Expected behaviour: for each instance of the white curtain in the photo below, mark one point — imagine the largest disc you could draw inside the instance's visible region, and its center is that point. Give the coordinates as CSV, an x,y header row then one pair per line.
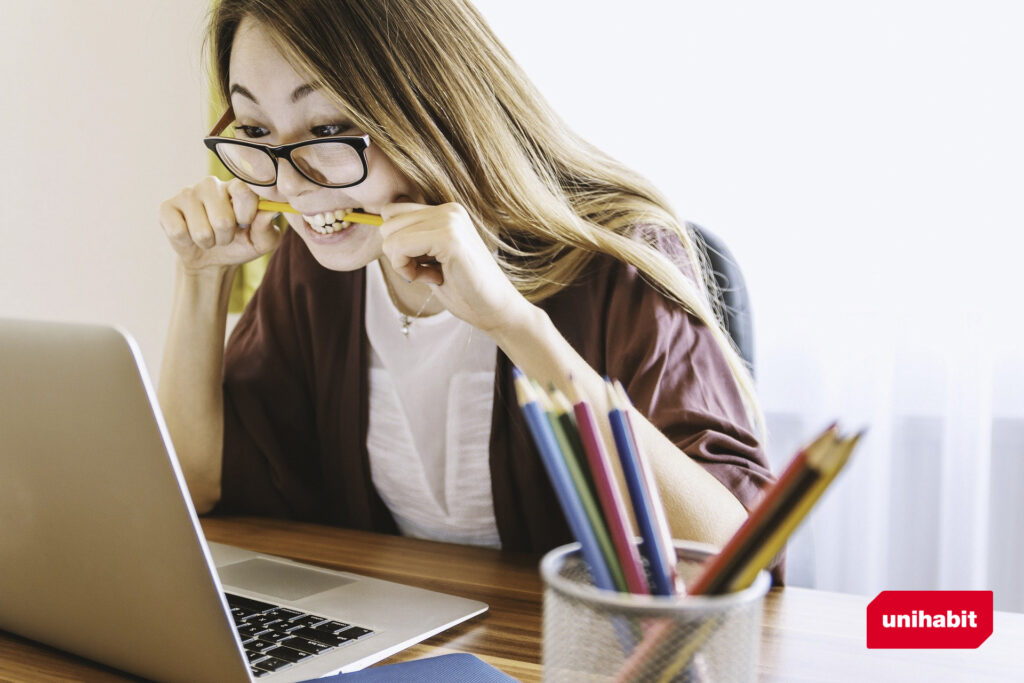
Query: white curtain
x,y
932,498
864,161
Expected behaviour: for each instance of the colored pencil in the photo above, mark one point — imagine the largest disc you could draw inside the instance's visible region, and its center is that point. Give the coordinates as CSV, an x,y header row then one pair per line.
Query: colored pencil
x,y
572,455
829,465
717,572
667,545
606,485
561,481
781,514
662,576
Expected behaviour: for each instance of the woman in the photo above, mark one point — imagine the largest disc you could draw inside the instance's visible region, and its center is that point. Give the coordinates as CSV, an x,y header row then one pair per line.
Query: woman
x,y
368,383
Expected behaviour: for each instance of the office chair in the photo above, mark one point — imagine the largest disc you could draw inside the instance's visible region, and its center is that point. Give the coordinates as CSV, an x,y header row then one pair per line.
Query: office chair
x,y
732,292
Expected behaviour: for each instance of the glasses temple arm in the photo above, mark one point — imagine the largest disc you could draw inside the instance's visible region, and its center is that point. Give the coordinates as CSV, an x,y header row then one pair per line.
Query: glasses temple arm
x,y
223,122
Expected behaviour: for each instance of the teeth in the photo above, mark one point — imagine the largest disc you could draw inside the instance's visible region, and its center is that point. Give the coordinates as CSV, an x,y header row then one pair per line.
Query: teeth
x,y
327,223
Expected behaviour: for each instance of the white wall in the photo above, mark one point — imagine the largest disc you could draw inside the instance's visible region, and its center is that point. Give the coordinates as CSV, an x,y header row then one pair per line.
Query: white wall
x,y
839,139
101,119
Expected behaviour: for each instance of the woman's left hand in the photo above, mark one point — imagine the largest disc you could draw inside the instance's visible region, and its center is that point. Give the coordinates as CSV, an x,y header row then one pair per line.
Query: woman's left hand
x,y
439,245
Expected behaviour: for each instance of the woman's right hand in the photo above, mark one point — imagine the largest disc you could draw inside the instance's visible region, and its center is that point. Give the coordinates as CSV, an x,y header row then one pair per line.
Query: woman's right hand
x,y
215,224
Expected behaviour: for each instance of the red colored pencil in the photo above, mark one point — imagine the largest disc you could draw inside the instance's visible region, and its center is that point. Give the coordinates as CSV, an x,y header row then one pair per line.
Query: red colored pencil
x,y
608,494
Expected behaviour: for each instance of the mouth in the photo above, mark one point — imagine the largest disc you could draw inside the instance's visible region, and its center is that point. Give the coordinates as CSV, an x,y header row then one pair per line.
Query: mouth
x,y
329,222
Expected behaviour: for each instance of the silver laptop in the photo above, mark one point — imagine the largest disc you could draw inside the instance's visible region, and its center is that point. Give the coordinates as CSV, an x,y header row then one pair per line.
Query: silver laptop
x,y
101,553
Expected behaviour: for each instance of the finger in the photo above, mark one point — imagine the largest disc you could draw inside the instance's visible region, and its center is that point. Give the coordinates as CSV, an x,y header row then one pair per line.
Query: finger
x,y
219,211
244,202
418,268
407,248
395,209
264,234
199,228
174,225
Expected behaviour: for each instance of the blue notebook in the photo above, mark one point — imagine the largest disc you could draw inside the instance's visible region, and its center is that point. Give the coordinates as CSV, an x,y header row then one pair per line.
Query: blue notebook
x,y
461,667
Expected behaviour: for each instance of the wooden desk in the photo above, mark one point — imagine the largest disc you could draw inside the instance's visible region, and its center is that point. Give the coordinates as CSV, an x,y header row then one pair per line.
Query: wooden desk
x,y
808,635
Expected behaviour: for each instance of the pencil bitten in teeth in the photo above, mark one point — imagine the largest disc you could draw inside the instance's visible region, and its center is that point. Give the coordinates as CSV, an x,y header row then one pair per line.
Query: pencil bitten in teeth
x,y
329,222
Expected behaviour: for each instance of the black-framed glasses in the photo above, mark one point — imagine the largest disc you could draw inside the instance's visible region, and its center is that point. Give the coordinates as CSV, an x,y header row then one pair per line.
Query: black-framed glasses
x,y
338,161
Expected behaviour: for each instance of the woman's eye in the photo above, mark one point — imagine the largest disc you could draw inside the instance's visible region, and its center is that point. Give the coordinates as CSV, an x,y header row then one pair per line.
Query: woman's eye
x,y
330,130
252,131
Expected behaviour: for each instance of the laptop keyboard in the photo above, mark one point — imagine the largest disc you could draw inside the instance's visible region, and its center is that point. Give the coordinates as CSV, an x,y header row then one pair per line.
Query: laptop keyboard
x,y
276,637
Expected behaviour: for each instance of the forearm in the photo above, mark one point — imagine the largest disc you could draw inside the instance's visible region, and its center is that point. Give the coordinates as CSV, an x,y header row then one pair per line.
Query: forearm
x,y
190,390
698,506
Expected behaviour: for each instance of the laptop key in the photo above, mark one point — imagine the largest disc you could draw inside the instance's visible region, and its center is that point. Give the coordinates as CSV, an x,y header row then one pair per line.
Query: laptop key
x,y
305,645
332,626
248,603
354,632
240,613
254,657
286,614
319,636
274,635
257,645
306,620
264,620
250,631
288,654
272,664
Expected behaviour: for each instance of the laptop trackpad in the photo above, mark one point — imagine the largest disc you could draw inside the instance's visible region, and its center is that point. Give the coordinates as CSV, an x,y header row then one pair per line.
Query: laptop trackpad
x,y
278,579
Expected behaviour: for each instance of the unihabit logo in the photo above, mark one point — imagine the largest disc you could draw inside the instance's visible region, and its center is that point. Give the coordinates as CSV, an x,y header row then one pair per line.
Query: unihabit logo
x,y
929,619
919,619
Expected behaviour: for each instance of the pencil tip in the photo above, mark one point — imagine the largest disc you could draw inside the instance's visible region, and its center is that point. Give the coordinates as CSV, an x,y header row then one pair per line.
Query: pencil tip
x,y
572,391
613,399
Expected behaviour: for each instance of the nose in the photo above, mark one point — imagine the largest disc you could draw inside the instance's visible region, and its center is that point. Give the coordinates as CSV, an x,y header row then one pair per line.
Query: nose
x,y
290,182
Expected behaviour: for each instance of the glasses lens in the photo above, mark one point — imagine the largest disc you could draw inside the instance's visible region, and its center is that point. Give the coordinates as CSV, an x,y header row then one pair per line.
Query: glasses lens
x,y
251,165
331,163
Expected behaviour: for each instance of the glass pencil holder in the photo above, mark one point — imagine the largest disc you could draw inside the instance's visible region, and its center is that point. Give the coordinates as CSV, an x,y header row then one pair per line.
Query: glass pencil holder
x,y
598,635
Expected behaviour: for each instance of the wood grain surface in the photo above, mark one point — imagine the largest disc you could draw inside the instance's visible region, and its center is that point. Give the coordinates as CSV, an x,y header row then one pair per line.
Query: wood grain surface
x,y
808,635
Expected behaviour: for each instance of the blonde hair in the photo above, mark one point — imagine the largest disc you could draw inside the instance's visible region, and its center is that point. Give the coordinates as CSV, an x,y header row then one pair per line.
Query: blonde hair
x,y
444,100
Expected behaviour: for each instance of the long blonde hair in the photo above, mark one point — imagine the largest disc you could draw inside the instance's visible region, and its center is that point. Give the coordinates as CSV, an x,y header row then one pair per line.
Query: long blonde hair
x,y
444,100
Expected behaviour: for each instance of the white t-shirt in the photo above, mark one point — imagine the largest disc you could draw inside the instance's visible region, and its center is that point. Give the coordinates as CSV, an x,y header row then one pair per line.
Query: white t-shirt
x,y
431,397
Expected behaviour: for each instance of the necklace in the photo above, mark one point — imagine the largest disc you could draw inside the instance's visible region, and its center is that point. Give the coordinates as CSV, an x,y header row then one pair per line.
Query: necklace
x,y
404,319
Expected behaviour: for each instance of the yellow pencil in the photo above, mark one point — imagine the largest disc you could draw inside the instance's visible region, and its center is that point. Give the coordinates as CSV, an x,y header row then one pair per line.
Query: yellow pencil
x,y
365,218
833,461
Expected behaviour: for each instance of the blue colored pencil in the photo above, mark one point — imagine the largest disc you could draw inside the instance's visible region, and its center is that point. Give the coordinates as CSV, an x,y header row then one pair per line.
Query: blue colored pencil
x,y
561,480
662,576
668,548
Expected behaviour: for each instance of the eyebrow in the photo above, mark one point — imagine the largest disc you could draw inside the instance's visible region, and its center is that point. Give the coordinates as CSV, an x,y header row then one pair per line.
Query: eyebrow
x,y
297,94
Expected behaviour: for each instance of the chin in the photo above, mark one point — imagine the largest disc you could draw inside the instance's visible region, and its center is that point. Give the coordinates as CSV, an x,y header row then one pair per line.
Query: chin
x,y
346,250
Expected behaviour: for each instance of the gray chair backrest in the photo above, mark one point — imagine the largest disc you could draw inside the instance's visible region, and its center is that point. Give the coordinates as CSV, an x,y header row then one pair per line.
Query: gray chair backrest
x,y
732,293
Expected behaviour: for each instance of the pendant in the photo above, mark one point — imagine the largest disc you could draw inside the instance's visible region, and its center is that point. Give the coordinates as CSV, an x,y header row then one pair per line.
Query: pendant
x,y
406,321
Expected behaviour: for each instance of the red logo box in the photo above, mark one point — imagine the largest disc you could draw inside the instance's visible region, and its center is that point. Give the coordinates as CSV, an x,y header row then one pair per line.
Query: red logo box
x,y
929,619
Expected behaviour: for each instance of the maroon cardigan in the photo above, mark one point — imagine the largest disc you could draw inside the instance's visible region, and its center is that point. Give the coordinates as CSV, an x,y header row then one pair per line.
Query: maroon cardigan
x,y
296,397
